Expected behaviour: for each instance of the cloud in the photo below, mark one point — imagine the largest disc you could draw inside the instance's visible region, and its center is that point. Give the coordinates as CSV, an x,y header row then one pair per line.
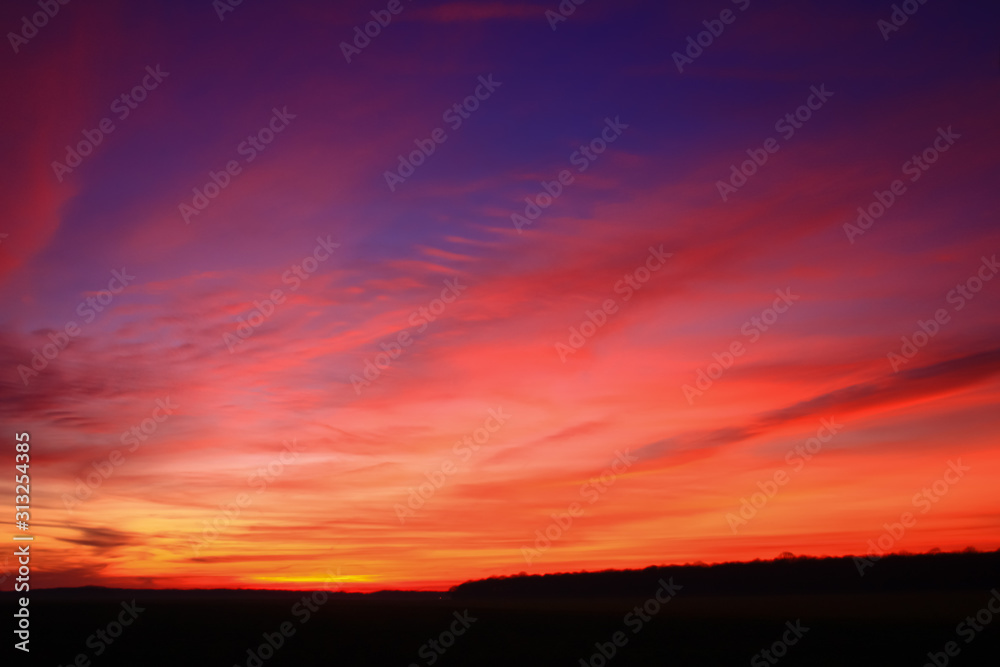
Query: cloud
x,y
877,395
102,538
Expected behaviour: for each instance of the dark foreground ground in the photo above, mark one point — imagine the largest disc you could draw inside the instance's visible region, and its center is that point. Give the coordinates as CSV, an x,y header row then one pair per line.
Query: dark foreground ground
x,y
696,627
896,629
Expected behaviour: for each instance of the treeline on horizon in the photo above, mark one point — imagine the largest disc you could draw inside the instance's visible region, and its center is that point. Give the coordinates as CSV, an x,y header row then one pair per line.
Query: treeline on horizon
x,y
788,574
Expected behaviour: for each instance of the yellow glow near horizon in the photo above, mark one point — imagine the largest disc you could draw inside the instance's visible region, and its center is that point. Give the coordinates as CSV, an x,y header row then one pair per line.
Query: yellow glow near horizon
x,y
340,578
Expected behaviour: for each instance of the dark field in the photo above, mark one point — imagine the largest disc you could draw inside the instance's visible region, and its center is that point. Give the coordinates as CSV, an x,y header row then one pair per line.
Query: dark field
x,y
892,629
513,621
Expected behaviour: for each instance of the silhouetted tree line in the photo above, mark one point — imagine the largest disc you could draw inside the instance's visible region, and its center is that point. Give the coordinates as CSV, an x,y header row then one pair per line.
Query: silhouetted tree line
x,y
967,570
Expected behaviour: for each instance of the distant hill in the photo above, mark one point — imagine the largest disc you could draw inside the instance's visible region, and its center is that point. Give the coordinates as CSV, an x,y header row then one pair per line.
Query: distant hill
x,y
787,575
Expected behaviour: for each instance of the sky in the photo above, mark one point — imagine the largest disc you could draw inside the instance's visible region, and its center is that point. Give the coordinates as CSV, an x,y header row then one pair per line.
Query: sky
x,y
497,289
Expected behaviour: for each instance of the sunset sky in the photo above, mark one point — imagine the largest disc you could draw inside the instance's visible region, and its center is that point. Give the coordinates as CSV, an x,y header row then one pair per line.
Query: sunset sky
x,y
318,340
